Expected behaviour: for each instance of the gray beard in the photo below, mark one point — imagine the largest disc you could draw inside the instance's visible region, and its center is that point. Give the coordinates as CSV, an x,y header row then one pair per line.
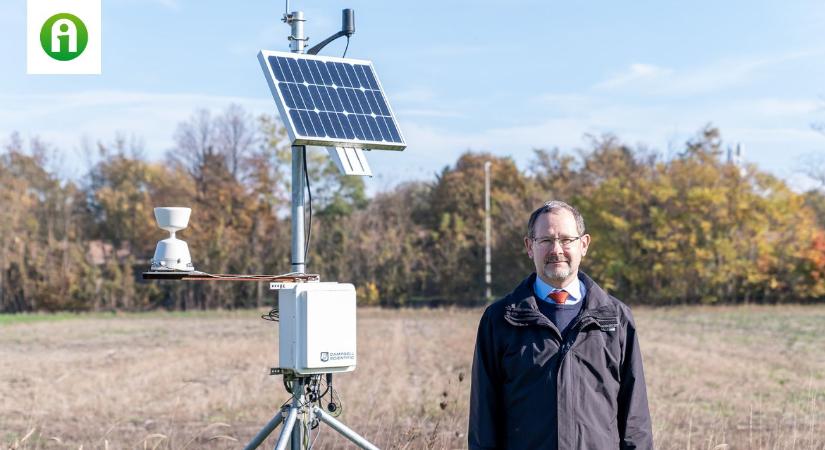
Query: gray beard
x,y
559,274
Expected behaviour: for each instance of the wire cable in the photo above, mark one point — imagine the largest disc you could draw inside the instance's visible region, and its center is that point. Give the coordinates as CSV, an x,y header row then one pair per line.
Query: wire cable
x,y
346,48
272,315
309,193
334,397
326,390
317,433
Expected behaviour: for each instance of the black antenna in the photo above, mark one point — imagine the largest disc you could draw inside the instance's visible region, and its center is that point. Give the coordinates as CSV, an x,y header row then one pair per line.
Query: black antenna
x,y
347,29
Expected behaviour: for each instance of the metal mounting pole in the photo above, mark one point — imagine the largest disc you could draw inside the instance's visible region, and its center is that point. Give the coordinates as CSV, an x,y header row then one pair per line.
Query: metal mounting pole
x,y
296,44
296,20
298,265
298,185
298,400
488,271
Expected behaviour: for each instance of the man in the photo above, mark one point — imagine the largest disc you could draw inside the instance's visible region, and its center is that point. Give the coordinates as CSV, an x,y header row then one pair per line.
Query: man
x,y
557,362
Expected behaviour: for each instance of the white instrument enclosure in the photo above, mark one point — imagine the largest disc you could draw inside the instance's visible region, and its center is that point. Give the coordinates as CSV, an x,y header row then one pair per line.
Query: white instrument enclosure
x,y
172,254
317,328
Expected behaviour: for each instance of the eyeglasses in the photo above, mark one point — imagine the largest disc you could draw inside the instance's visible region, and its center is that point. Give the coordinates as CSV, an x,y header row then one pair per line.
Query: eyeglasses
x,y
548,242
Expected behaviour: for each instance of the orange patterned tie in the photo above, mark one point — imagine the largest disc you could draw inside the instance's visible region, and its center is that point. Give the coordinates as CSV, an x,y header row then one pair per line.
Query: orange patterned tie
x,y
559,296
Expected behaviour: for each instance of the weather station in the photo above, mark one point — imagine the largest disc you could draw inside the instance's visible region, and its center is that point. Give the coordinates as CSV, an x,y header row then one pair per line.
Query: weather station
x,y
325,101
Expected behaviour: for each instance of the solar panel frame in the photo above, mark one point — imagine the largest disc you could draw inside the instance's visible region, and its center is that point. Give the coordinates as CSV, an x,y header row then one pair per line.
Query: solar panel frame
x,y
294,110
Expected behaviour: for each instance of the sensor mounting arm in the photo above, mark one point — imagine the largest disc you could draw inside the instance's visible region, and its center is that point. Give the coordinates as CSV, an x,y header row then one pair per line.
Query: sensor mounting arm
x,y
347,29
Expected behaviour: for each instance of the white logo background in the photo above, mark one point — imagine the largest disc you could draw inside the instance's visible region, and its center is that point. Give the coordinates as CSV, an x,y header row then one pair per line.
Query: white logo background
x,y
38,62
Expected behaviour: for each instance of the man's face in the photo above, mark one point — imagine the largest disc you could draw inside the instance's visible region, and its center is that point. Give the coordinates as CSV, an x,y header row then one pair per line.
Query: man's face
x,y
556,264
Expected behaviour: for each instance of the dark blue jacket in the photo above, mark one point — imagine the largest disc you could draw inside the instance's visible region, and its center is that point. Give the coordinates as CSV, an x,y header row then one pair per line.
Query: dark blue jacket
x,y
531,389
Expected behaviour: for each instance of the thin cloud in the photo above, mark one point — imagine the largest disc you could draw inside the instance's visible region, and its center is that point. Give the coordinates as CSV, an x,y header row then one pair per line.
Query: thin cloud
x,y
435,113
771,128
635,73
653,80
774,107
418,102
415,95
22,108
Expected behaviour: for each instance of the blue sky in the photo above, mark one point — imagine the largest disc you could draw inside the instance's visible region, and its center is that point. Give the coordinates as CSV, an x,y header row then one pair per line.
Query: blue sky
x,y
505,77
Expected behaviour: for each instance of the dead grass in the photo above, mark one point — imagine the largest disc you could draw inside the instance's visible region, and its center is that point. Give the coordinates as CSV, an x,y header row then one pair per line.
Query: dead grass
x,y
731,377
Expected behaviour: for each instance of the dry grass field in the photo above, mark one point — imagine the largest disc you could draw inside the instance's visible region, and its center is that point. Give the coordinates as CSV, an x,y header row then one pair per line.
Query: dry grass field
x,y
728,377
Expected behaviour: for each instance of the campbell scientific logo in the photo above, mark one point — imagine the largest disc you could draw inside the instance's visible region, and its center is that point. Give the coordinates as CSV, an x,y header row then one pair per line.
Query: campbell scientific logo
x,y
63,36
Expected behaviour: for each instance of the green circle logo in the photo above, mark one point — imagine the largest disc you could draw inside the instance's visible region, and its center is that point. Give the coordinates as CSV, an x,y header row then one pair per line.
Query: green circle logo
x,y
64,37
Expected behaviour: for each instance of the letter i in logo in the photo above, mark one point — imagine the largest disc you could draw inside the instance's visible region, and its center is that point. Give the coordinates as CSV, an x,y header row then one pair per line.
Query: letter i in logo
x,y
64,37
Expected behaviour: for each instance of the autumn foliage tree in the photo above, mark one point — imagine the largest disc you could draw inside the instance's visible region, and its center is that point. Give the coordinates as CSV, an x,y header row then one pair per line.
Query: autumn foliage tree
x,y
688,228
693,228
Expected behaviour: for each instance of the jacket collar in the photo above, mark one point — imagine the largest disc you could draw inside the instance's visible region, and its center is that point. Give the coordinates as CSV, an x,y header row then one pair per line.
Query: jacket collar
x,y
521,309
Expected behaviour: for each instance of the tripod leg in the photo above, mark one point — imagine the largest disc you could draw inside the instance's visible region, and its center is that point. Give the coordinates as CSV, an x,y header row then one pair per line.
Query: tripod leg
x,y
297,442
265,431
343,429
283,439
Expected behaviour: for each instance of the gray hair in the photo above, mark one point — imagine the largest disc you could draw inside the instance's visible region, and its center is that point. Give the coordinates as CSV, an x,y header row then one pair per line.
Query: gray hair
x,y
548,207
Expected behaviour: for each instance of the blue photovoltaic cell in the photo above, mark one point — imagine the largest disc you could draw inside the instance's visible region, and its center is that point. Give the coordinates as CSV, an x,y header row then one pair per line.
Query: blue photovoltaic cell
x,y
334,100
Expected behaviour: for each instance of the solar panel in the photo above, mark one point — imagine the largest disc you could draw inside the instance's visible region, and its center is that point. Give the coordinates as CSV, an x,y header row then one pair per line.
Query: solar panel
x,y
329,101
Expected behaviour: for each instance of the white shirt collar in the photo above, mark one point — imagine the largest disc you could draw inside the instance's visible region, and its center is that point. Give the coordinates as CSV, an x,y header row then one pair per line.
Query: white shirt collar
x,y
575,290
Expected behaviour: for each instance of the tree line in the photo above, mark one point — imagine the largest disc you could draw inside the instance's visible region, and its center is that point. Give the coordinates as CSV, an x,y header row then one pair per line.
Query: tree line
x,y
685,228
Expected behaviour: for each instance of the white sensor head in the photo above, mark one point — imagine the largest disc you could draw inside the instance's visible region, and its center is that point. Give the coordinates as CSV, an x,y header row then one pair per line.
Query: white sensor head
x,y
172,253
172,218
